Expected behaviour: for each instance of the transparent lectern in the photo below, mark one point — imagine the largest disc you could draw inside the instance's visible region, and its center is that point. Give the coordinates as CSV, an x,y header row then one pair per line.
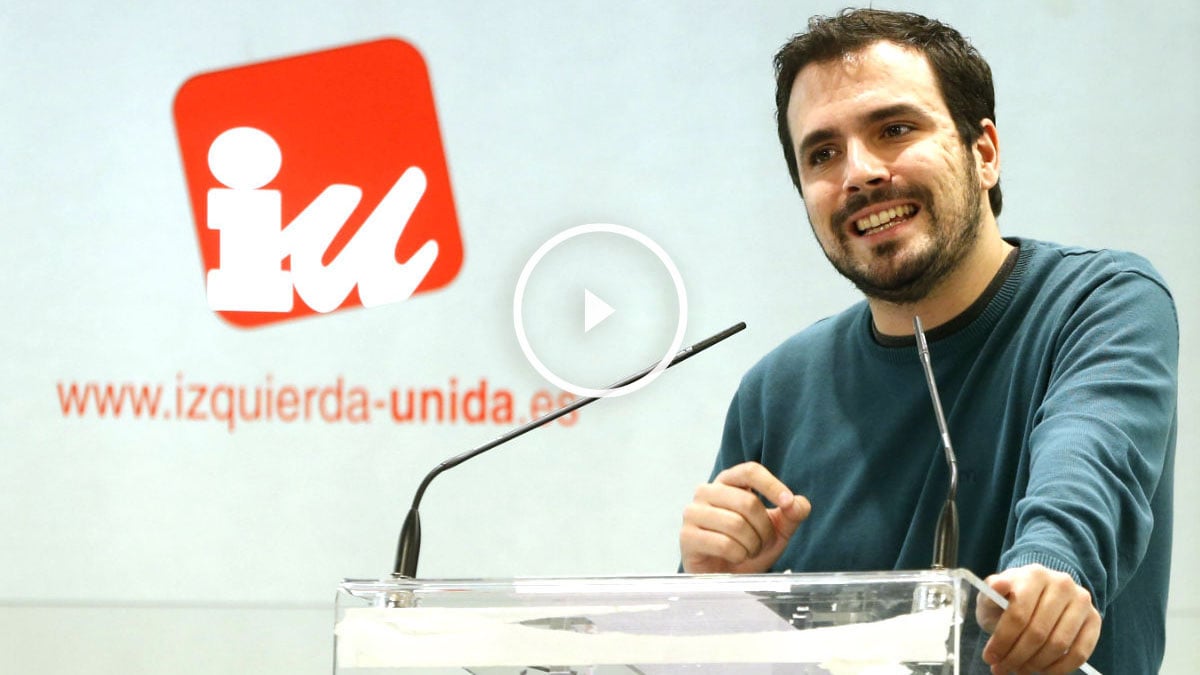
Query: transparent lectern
x,y
885,623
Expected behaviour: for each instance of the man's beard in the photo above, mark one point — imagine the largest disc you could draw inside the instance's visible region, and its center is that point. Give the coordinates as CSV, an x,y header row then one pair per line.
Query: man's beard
x,y
953,231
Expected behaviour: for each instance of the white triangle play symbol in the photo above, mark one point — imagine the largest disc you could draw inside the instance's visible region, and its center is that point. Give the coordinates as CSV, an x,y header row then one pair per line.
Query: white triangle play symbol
x,y
595,310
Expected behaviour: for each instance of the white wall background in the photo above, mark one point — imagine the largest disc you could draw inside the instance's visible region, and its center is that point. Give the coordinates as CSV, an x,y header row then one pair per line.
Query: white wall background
x,y
162,547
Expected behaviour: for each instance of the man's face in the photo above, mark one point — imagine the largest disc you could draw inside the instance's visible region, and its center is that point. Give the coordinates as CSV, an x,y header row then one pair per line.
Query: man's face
x,y
892,194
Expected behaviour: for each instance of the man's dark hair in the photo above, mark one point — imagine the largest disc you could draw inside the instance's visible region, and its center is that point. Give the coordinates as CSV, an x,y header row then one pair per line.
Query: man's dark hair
x,y
962,75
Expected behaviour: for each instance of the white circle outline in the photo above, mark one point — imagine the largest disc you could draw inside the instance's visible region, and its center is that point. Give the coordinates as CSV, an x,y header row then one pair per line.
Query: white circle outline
x,y
519,301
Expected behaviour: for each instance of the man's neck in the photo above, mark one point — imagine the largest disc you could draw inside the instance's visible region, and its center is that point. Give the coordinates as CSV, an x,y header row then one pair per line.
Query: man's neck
x,y
953,295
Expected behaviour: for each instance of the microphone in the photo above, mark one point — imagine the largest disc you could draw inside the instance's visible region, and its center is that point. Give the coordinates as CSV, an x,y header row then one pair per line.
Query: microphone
x,y
945,538
409,548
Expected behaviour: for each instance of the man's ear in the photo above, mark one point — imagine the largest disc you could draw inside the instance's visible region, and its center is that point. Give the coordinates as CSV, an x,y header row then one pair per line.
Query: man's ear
x,y
987,154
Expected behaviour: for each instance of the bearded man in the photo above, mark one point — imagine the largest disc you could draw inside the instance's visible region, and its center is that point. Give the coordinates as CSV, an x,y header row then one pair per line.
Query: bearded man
x,y
1057,366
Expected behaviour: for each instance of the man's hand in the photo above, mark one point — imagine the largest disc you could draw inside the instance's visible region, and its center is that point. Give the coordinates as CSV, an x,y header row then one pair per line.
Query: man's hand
x,y
726,528
1050,625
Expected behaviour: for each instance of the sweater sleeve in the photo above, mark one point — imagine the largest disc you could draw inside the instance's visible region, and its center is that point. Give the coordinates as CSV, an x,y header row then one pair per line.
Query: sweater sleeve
x,y
741,440
1102,436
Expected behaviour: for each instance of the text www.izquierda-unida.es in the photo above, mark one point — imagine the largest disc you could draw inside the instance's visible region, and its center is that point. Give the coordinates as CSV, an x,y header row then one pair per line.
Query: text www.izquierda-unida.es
x,y
458,401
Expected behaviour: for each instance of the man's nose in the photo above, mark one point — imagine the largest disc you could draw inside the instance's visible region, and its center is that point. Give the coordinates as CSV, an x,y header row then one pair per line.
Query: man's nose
x,y
864,169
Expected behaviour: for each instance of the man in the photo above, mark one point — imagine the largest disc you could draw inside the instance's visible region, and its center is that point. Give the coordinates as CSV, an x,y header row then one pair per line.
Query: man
x,y
1057,367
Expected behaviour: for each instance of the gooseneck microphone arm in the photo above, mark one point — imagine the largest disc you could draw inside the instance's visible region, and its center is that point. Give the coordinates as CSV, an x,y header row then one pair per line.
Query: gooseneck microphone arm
x,y
409,548
945,538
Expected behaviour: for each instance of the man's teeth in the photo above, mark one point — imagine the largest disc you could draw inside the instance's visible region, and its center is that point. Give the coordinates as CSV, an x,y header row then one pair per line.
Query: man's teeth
x,y
882,218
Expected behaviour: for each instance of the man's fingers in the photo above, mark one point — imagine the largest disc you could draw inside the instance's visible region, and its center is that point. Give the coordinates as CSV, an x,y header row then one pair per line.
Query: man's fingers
x,y
987,612
1050,625
700,544
1077,654
1032,620
734,489
729,524
1060,640
745,508
755,476
999,583
1011,622
786,520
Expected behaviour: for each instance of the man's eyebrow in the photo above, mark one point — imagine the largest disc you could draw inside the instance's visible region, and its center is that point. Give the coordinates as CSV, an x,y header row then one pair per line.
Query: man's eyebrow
x,y
814,137
894,110
818,136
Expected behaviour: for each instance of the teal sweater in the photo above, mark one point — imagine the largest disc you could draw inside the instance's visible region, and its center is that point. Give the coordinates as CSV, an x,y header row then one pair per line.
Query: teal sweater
x,y
1060,396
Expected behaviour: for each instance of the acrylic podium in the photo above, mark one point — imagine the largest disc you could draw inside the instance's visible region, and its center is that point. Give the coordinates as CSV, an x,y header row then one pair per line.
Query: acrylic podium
x,y
882,623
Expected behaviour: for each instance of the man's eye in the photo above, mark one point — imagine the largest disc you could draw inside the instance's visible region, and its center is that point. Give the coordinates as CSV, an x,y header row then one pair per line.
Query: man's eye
x,y
819,157
894,130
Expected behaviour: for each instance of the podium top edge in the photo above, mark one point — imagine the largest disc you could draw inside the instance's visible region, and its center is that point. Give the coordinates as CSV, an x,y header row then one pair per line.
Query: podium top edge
x,y
774,582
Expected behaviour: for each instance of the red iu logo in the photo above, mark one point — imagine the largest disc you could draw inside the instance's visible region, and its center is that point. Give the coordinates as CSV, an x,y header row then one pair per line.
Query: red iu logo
x,y
318,183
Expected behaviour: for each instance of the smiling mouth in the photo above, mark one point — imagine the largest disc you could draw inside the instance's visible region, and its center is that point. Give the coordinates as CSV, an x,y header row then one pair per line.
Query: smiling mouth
x,y
885,220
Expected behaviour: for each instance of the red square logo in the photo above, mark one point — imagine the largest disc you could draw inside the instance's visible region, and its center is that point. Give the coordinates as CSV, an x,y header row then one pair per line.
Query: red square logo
x,y
318,183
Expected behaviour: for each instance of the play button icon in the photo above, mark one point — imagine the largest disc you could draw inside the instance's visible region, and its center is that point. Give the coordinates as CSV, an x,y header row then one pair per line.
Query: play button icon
x,y
595,310
600,266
